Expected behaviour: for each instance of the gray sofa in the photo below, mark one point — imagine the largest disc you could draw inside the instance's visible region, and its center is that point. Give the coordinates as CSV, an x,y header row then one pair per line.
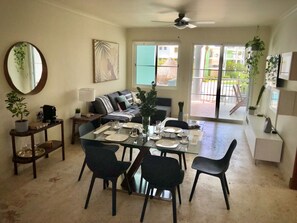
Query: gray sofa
x,y
122,106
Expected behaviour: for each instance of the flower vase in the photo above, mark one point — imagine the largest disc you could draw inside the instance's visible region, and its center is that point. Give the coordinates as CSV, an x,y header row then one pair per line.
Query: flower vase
x,y
145,126
181,108
180,116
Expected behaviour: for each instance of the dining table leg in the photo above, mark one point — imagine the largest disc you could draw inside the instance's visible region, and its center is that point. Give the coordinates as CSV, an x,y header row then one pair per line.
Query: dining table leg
x,y
143,151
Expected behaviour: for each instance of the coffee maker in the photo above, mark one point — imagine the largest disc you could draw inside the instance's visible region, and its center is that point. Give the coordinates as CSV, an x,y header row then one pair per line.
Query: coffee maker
x,y
49,113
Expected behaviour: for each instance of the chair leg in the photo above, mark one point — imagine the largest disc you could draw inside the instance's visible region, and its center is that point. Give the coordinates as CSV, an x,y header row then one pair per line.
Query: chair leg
x,y
131,153
114,197
194,185
180,160
82,169
184,158
90,191
145,202
226,183
128,184
179,196
124,151
223,183
174,204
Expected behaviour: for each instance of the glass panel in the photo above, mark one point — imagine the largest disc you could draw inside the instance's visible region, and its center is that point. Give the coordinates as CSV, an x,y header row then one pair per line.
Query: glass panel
x,y
167,65
234,85
145,75
204,83
208,72
145,64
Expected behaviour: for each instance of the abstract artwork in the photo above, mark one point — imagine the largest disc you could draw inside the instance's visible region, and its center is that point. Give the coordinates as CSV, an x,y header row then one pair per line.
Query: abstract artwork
x,y
106,61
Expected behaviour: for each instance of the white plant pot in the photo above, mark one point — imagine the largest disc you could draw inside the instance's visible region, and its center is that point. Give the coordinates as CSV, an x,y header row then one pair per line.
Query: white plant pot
x,y
77,115
21,125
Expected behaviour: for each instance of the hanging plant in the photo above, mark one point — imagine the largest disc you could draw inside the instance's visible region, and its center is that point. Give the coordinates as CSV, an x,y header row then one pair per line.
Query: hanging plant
x,y
272,64
19,55
255,50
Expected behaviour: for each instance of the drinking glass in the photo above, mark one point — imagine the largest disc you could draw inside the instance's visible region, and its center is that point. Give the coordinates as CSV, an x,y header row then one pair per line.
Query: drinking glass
x,y
134,132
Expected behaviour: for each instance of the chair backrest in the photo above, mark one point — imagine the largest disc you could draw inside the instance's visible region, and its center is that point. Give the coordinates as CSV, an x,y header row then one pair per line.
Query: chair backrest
x,y
160,171
177,123
85,128
226,159
102,161
82,130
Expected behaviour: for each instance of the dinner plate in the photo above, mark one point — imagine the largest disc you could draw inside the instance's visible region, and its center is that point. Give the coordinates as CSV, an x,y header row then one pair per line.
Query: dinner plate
x,y
166,143
109,132
155,137
172,129
117,137
131,125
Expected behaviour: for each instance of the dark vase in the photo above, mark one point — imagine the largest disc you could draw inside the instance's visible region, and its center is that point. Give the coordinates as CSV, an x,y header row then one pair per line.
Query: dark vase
x,y
180,116
180,113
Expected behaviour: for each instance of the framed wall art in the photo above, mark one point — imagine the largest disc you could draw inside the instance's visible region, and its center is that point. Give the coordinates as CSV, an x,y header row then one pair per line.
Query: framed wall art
x,y
106,60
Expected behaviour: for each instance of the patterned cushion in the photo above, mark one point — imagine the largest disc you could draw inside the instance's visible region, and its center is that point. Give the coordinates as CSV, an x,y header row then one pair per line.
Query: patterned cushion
x,y
106,103
122,98
128,95
135,99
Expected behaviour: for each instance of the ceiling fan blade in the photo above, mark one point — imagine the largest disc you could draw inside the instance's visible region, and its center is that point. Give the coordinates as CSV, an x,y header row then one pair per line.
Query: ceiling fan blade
x,y
161,21
191,26
204,22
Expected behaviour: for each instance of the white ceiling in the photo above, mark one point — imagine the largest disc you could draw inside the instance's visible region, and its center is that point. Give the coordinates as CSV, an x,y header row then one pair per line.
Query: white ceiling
x,y
142,13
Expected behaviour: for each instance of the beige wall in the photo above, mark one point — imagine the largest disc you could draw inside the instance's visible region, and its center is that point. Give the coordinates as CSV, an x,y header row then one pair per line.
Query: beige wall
x,y
284,39
187,38
65,39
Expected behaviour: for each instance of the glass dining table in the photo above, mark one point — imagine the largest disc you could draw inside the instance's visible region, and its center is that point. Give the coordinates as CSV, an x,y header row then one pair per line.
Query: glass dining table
x,y
167,139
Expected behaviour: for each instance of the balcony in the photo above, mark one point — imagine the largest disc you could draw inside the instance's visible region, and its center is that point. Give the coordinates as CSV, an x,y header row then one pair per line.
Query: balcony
x,y
203,98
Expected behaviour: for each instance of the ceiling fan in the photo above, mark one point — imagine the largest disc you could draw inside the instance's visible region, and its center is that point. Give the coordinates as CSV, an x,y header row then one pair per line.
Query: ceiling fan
x,y
183,22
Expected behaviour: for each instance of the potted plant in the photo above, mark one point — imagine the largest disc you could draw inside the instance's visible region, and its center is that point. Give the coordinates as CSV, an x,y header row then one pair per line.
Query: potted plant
x,y
77,113
255,48
252,109
18,108
147,105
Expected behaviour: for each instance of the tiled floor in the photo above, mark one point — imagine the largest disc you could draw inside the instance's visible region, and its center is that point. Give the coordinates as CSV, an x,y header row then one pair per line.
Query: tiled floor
x,y
257,192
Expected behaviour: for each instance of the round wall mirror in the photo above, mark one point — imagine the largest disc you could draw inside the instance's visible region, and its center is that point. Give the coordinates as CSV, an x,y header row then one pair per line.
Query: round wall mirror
x,y
25,68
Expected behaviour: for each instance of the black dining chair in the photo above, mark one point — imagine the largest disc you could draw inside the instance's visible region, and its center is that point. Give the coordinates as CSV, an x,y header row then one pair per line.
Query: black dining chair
x,y
104,164
84,129
181,155
162,173
216,168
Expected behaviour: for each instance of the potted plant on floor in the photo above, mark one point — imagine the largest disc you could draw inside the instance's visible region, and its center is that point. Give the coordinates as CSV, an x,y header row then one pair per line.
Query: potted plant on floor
x,y
18,108
252,109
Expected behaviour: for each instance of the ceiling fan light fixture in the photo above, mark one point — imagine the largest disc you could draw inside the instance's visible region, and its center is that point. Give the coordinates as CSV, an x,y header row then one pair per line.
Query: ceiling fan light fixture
x,y
180,26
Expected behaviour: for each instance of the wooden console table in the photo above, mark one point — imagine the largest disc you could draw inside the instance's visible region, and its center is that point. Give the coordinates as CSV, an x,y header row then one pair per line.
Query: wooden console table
x,y
48,146
81,120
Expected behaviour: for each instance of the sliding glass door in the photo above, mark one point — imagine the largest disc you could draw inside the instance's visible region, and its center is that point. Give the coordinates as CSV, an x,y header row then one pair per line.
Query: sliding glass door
x,y
219,82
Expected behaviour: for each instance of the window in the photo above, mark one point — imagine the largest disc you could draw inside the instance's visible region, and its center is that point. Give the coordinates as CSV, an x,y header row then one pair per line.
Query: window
x,y
156,62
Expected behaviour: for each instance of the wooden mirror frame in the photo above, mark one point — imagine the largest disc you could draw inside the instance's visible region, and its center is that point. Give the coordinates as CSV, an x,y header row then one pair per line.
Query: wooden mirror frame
x,y
42,80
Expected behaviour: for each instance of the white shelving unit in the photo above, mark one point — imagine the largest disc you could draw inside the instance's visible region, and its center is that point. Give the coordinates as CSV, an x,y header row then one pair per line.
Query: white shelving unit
x,y
263,146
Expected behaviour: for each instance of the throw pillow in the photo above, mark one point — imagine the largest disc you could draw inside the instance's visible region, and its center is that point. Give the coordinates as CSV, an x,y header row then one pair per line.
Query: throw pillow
x,y
106,103
135,99
122,106
122,98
